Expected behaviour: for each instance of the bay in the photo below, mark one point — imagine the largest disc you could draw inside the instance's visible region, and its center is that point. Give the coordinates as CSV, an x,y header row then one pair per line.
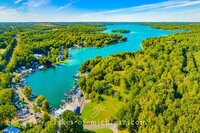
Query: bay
x,y
54,82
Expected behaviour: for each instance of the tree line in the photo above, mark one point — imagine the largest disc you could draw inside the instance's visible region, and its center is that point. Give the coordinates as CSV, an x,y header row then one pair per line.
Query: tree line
x,y
162,82
19,42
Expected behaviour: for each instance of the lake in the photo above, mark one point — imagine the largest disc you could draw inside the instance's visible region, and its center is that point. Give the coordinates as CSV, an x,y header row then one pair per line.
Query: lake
x,y
54,82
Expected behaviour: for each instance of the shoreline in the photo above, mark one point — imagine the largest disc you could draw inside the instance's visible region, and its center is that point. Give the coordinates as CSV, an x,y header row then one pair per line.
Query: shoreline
x,y
76,48
67,60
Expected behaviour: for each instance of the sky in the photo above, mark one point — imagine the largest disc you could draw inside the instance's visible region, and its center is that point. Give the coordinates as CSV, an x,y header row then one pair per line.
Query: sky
x,y
99,10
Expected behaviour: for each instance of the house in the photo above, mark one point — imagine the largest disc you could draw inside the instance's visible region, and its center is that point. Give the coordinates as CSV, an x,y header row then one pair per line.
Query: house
x,y
35,65
11,129
75,109
60,57
37,56
18,70
23,67
22,113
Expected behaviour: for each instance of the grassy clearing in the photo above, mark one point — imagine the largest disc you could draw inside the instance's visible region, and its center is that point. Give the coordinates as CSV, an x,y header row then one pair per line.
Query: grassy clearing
x,y
103,130
15,124
101,112
1,51
123,93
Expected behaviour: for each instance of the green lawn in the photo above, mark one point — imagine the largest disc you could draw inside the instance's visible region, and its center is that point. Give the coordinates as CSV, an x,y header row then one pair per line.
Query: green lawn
x,y
1,51
123,93
104,130
97,112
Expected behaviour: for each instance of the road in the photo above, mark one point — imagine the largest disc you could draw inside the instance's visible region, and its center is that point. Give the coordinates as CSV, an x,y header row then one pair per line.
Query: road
x,y
83,102
93,127
30,104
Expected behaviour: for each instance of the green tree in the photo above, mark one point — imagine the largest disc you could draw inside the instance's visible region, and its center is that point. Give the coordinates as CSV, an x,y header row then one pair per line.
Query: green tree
x,y
71,123
45,118
65,53
7,112
27,91
39,100
45,105
6,96
50,126
17,79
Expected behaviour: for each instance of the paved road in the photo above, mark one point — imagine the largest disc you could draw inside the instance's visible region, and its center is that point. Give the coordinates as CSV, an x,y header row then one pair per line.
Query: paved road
x,y
30,104
93,127
83,102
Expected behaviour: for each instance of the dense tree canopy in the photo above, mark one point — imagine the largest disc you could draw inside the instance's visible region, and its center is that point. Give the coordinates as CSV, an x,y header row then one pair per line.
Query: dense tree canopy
x,y
7,112
27,91
122,31
71,123
26,44
24,41
163,81
5,79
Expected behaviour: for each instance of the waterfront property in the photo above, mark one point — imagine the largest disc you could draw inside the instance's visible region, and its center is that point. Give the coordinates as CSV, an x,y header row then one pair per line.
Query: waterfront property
x,y
54,82
73,107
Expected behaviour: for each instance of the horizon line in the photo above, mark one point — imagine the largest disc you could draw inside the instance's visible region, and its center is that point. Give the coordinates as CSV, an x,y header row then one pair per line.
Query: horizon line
x,y
101,22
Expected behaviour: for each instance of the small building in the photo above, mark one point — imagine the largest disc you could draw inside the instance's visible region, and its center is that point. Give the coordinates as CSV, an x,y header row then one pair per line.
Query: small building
x,y
75,109
35,65
11,129
23,67
22,113
60,57
37,56
41,67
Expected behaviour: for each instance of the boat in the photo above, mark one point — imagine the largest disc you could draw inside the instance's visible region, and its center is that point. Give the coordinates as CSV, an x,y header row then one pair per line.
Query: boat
x,y
63,101
75,86
76,75
66,94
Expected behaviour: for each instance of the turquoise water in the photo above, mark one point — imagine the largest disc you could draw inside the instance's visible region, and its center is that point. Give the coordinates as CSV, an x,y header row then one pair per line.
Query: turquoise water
x,y
54,82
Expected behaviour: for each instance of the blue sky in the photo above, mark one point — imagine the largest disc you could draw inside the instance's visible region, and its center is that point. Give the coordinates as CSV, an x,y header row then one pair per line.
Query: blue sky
x,y
99,10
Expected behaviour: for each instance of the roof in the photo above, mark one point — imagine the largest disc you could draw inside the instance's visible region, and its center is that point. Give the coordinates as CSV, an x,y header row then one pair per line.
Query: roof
x,y
77,110
60,111
11,129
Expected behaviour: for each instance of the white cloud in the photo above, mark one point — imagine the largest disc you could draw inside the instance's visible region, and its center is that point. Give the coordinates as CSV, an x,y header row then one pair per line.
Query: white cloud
x,y
169,11
2,7
148,7
186,3
18,1
186,15
63,7
67,5
6,12
36,3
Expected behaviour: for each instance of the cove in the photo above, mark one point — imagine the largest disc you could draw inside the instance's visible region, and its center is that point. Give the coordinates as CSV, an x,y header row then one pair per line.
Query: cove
x,y
54,82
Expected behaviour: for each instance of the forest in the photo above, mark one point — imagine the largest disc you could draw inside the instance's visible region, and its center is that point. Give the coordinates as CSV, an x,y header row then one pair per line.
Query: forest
x,y
121,31
23,44
161,82
22,41
158,84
